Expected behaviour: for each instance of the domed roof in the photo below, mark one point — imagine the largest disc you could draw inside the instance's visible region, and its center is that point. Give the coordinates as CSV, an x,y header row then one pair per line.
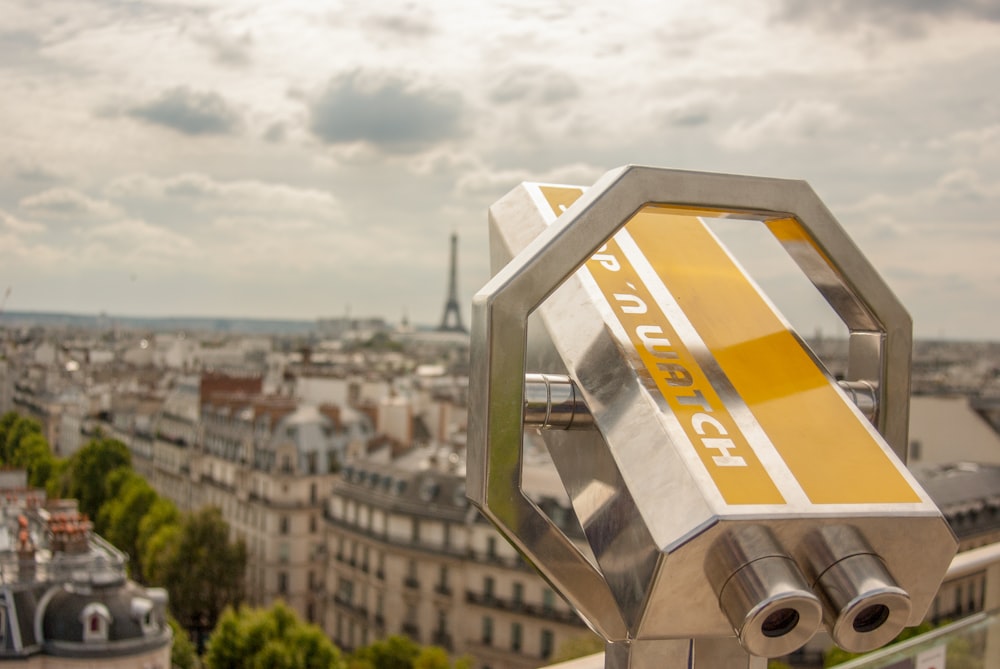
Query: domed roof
x,y
125,613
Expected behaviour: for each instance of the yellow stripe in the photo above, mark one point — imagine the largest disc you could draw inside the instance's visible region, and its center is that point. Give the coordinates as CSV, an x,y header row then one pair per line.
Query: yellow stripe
x,y
723,450
560,197
835,459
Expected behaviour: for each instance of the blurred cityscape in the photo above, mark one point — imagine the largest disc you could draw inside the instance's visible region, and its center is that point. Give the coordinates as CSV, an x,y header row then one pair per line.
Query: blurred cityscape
x,y
336,454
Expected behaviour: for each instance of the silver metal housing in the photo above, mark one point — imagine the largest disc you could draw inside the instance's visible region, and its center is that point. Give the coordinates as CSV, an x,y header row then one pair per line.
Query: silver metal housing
x,y
651,512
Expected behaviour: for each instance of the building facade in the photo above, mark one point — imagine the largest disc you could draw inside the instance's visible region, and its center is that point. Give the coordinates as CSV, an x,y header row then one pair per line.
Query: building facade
x,y
65,601
409,555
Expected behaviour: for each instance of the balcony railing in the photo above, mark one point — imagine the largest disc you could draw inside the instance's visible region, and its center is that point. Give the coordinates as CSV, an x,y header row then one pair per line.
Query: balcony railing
x,y
536,610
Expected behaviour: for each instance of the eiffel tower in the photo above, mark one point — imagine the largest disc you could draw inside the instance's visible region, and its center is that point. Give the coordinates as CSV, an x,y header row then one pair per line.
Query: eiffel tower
x,y
451,321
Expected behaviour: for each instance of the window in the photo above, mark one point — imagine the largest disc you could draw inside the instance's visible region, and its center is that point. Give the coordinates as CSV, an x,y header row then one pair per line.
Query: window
x,y
546,644
95,619
515,637
415,531
313,491
548,600
142,612
491,547
443,578
282,582
488,587
487,630
312,524
518,594
411,575
283,525
345,590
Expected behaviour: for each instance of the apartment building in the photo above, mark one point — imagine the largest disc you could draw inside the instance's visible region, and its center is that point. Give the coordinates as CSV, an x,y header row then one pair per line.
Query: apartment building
x,y
267,462
65,600
409,555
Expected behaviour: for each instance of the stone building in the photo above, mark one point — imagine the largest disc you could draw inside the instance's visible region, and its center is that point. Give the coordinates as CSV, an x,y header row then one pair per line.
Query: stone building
x,y
409,555
65,601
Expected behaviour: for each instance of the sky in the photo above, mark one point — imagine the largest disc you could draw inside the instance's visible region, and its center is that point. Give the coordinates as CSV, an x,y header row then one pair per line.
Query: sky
x,y
311,159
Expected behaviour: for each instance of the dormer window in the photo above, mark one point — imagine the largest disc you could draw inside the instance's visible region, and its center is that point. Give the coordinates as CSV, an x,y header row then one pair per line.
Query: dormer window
x,y
142,612
96,620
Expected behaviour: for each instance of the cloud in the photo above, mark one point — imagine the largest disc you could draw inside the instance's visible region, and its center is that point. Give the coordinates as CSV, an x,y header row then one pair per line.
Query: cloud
x,y
539,85
388,113
189,112
490,182
17,226
19,48
228,48
227,198
33,172
788,124
130,240
66,203
903,18
411,23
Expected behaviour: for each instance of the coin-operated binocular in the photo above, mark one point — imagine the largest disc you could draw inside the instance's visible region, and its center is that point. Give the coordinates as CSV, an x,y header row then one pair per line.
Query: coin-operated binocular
x,y
727,485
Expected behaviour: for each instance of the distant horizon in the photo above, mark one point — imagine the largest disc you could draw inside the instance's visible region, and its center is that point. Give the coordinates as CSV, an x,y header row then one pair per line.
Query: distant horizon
x,y
9,315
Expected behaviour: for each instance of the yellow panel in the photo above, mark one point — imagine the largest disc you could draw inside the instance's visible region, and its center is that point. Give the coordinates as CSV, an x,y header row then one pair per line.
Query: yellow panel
x,y
835,459
723,450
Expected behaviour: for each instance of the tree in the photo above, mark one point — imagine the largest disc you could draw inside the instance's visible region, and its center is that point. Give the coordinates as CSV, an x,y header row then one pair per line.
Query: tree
x,y
15,429
269,638
201,569
6,422
182,653
22,445
161,514
435,657
393,652
402,652
121,515
36,459
88,469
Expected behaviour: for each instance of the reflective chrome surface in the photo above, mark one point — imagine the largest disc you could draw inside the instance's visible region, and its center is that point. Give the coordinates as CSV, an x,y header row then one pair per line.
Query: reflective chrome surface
x,y
552,402
864,606
762,592
651,512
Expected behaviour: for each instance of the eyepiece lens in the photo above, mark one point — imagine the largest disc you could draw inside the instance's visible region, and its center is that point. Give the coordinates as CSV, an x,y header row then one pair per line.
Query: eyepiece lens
x,y
780,623
871,618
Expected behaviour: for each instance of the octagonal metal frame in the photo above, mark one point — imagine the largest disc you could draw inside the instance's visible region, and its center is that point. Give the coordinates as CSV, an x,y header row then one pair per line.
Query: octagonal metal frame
x,y
879,349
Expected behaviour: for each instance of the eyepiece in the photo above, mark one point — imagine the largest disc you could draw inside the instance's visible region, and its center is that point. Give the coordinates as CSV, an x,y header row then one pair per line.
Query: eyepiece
x,y
780,623
762,592
871,618
863,606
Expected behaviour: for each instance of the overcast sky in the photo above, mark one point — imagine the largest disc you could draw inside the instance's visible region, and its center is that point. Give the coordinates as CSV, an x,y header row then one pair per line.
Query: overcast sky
x,y
309,159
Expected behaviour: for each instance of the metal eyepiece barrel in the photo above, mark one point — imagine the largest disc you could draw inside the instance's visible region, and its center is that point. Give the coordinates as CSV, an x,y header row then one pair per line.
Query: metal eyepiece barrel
x,y
553,402
864,608
762,592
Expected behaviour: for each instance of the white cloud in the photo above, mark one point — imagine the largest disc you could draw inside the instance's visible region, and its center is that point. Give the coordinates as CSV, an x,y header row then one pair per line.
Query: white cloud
x,y
68,204
788,124
367,134
19,226
205,194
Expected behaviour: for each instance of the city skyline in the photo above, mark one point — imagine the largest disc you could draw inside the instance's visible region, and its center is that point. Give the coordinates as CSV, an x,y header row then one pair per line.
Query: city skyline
x,y
307,160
